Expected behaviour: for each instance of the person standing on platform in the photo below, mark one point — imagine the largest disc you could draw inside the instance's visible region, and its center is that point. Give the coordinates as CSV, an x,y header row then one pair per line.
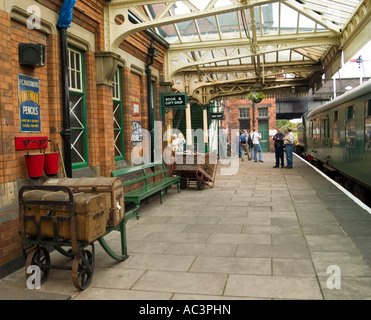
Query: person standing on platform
x,y
244,137
289,147
255,136
237,145
181,142
224,144
278,147
250,144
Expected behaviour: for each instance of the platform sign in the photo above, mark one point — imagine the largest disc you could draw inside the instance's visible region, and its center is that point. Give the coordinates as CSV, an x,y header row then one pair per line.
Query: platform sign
x,y
29,103
174,101
171,101
217,116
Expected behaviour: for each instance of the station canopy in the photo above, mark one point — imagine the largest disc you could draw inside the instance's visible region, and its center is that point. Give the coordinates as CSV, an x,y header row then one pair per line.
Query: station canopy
x,y
238,44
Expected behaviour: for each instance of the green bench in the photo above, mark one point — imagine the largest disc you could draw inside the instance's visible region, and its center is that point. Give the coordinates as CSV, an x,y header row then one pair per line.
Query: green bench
x,y
140,182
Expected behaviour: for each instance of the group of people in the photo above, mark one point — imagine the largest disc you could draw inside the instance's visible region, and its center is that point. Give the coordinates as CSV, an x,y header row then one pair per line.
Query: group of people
x,y
249,143
284,143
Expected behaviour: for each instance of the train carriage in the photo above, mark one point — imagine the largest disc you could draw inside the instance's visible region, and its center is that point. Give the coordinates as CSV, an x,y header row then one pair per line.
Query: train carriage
x,y
337,137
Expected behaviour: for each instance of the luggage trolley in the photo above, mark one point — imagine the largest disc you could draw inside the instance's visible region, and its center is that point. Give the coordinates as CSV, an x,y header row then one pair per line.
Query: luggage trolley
x,y
198,168
54,216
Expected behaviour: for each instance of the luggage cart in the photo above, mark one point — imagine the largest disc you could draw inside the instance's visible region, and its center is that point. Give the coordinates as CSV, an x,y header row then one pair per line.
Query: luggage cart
x,y
196,168
49,218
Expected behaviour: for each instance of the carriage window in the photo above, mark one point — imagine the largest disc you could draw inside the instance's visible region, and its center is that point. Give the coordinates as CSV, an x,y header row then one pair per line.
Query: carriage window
x,y
311,129
350,113
368,133
315,130
325,128
350,133
368,108
335,128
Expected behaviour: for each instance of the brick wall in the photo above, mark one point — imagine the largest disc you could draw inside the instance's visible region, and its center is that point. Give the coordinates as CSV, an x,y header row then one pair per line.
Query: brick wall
x,y
13,171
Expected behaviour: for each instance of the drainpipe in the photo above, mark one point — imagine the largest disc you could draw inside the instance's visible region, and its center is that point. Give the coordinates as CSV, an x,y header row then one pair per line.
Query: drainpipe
x,y
65,18
152,52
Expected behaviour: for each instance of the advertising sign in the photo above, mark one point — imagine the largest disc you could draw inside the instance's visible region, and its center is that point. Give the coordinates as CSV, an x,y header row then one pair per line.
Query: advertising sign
x,y
29,103
135,106
136,135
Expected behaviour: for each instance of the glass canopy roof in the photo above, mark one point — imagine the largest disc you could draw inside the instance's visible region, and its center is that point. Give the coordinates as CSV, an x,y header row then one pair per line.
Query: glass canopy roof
x,y
207,34
273,18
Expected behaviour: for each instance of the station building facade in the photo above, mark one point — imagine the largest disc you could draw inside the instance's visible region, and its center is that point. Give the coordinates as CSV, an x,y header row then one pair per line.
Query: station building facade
x,y
108,100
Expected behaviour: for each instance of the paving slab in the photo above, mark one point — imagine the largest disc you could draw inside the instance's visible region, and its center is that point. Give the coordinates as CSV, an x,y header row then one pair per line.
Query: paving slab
x,y
275,287
182,282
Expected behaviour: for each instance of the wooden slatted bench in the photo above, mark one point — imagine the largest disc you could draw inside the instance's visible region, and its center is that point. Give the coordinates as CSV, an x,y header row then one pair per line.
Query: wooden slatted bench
x,y
140,182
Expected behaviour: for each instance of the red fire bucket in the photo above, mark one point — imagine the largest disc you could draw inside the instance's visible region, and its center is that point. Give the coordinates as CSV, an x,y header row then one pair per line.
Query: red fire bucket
x,y
35,164
51,163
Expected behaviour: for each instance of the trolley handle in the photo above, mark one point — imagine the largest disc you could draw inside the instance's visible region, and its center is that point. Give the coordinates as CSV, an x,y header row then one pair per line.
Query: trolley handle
x,y
65,189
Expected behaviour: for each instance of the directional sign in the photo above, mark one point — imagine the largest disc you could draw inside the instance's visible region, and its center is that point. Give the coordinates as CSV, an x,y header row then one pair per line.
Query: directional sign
x,y
217,116
174,101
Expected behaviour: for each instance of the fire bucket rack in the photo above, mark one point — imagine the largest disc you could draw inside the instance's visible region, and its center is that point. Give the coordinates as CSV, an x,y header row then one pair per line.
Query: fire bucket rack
x,y
40,162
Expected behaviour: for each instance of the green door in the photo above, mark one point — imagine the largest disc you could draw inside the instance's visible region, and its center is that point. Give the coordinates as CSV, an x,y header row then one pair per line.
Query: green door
x,y
264,141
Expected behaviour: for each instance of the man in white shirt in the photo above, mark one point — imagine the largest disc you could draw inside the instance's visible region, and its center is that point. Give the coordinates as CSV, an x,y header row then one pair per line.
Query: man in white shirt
x,y
288,141
255,136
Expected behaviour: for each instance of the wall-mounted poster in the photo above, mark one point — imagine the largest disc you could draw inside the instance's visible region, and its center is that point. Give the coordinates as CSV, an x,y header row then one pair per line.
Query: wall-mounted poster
x,y
29,103
135,106
136,136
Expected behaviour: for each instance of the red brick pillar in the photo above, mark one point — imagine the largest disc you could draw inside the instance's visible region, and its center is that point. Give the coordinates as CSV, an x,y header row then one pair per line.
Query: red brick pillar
x,y
100,114
105,147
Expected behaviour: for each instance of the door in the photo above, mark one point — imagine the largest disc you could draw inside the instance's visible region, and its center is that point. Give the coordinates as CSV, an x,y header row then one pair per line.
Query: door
x,y
264,131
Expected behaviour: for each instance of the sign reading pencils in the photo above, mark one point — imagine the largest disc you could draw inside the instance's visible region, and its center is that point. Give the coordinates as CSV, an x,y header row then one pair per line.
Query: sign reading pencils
x,y
29,103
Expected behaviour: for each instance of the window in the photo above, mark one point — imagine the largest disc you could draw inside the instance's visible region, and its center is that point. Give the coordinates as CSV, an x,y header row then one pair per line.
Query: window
x,y
350,133
350,113
335,128
325,131
315,130
244,124
79,144
368,126
368,133
75,70
263,112
118,130
368,108
350,128
244,113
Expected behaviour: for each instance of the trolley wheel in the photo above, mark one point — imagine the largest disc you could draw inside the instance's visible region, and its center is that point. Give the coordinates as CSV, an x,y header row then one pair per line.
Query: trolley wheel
x,y
39,257
82,268
200,184
183,183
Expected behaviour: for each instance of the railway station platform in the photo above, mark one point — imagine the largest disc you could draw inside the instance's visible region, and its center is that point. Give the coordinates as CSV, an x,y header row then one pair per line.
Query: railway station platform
x,y
262,233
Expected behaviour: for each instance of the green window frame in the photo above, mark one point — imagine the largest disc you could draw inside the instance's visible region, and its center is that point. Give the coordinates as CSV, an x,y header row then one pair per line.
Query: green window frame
x,y
118,121
77,97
